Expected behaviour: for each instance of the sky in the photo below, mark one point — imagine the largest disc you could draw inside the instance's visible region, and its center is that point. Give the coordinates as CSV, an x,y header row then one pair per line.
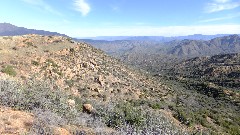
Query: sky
x,y
90,18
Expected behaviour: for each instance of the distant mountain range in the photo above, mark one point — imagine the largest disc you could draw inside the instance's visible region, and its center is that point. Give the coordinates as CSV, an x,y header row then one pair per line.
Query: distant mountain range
x,y
194,48
157,38
180,48
157,57
7,29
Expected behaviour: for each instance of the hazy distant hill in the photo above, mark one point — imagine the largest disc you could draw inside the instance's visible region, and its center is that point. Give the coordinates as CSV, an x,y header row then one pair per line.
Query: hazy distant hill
x,y
7,29
157,38
155,56
119,47
181,48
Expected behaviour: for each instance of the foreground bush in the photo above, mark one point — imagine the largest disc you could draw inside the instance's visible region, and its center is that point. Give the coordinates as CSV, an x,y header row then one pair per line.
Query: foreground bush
x,y
49,105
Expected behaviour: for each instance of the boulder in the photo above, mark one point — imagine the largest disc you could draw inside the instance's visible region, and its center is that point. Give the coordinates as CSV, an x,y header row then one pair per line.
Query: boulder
x,y
71,103
87,108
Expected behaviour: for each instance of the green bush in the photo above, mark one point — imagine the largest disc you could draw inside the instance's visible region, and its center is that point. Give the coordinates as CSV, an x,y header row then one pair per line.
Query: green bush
x,y
9,70
70,83
29,44
124,113
155,106
50,61
183,116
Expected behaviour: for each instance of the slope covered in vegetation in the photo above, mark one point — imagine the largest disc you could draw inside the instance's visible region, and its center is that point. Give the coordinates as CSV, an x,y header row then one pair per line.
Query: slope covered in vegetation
x,y
54,77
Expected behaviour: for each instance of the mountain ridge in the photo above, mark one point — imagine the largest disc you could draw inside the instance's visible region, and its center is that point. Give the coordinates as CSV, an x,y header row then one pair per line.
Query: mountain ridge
x,y
7,29
179,48
220,45
155,38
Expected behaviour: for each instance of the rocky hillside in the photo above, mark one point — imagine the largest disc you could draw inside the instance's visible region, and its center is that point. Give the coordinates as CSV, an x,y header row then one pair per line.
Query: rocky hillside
x,y
7,29
215,82
221,72
71,65
75,88
206,88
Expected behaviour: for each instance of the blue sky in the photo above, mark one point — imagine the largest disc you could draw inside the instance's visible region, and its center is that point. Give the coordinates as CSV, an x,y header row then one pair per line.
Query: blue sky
x,y
87,18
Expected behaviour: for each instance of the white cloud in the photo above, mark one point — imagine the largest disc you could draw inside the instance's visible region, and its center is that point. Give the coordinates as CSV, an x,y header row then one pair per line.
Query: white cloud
x,y
43,5
155,31
221,18
82,6
220,5
222,1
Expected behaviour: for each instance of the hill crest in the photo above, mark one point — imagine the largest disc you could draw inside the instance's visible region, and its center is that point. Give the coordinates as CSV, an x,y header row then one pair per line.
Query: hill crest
x,y
7,29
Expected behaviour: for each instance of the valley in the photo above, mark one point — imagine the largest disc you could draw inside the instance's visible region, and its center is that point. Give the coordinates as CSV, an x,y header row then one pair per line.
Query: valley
x,y
120,67
143,87
204,75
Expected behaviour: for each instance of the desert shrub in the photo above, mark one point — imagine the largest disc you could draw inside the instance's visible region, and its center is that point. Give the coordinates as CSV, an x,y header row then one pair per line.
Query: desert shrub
x,y
9,70
50,61
124,113
34,95
7,37
234,130
79,103
15,48
35,63
29,44
155,105
183,116
69,39
129,119
49,105
72,50
70,83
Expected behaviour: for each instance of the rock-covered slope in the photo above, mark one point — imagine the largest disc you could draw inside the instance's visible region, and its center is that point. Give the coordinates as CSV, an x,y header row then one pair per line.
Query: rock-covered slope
x,y
207,87
76,66
217,78
220,72
71,74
